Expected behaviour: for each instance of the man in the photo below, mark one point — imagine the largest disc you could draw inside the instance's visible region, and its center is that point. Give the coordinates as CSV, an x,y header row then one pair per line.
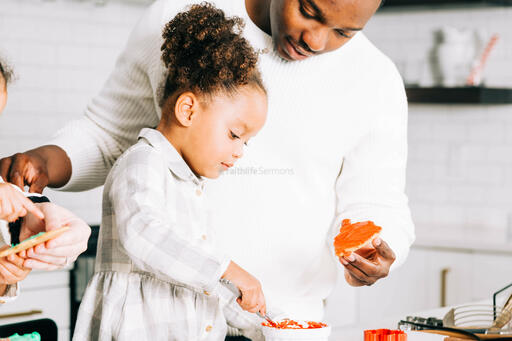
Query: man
x,y
334,146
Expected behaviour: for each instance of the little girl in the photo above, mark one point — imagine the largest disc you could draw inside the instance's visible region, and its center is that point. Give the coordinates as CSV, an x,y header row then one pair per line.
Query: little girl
x,y
158,271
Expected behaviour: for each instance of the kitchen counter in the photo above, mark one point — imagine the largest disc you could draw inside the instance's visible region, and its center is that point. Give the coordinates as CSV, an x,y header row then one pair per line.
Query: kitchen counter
x,y
355,333
463,245
454,239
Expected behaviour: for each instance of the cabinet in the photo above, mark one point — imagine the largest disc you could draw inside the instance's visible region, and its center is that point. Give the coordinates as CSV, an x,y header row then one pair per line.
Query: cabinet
x,y
43,295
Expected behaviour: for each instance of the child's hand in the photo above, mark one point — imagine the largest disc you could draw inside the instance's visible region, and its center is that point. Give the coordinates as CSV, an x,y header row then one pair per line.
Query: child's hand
x,y
57,252
12,270
13,204
252,299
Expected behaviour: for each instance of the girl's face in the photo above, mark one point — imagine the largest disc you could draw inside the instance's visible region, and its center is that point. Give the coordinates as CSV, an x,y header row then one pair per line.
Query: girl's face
x,y
221,130
3,94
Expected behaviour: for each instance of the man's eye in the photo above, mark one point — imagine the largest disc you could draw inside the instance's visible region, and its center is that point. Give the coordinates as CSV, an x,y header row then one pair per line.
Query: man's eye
x,y
342,33
234,136
306,12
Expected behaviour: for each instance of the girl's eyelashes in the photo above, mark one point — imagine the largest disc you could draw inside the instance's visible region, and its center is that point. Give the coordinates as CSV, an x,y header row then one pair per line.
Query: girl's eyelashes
x,y
235,136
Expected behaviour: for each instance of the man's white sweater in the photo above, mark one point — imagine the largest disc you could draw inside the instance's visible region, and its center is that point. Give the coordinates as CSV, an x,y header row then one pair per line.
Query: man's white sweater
x,y
334,146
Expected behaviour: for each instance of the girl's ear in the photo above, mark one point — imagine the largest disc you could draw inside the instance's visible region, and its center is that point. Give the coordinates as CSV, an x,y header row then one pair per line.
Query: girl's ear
x,y
186,108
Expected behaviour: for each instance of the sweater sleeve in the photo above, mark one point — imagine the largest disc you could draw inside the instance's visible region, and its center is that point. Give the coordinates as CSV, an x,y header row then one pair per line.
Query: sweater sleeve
x,y
126,104
371,185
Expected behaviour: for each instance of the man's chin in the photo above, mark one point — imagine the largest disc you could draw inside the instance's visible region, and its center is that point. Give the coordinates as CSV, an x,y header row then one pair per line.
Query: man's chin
x,y
282,53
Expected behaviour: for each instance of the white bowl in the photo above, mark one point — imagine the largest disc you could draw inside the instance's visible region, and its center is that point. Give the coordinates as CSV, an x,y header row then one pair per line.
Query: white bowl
x,y
314,334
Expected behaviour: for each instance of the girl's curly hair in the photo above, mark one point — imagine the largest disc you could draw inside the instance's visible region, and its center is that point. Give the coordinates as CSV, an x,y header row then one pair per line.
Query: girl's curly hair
x,y
204,51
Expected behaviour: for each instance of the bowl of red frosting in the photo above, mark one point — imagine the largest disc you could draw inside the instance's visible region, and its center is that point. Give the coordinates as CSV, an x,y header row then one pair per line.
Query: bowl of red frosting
x,y
289,330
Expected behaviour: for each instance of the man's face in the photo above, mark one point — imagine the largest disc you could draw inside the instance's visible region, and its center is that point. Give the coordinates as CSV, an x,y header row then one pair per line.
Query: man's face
x,y
304,28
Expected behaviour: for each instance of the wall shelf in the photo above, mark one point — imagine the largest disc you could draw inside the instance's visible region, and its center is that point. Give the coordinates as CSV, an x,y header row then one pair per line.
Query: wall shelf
x,y
461,95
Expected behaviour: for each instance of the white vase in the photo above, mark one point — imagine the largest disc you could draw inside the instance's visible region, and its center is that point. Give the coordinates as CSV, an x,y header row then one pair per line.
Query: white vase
x,y
455,54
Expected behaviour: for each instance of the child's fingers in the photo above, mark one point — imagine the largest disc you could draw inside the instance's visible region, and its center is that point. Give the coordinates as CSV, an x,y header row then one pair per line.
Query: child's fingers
x,y
38,265
12,272
12,212
30,207
64,251
6,276
16,260
58,261
5,209
250,302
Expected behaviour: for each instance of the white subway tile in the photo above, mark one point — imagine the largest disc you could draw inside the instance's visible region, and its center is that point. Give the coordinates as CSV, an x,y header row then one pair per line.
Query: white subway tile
x,y
435,153
470,153
476,174
448,215
486,133
428,193
466,194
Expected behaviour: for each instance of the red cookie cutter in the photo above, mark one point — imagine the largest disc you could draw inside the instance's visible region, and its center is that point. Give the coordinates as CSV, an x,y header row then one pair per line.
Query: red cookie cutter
x,y
384,335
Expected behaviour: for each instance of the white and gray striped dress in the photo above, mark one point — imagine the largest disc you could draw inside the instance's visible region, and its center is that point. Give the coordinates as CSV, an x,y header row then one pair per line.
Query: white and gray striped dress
x,y
157,270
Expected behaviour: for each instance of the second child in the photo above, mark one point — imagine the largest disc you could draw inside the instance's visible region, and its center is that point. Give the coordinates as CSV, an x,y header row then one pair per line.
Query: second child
x,y
158,271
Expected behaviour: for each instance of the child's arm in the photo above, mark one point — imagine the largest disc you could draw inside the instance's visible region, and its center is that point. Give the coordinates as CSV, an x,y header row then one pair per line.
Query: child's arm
x,y
145,232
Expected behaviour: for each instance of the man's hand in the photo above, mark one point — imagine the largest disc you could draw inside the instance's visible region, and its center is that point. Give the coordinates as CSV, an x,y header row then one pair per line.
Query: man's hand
x,y
60,251
37,168
12,270
368,264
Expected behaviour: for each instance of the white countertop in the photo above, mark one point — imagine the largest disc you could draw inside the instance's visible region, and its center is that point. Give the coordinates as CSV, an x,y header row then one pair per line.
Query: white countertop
x,y
356,332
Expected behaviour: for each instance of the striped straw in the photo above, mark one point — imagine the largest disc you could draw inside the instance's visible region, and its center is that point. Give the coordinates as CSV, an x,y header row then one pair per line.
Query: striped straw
x,y
476,73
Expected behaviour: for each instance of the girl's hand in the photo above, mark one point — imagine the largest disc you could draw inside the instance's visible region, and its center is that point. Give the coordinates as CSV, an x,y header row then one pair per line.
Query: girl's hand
x,y
252,299
14,205
12,270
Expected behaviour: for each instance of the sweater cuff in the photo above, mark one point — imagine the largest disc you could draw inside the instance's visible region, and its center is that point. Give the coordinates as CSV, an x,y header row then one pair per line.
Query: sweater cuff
x,y
88,168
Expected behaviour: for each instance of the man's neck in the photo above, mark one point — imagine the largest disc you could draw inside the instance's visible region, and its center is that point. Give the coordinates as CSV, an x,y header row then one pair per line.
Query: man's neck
x,y
259,13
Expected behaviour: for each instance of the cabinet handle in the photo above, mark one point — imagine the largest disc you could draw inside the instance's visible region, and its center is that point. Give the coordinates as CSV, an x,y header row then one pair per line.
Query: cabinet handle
x,y
444,275
24,313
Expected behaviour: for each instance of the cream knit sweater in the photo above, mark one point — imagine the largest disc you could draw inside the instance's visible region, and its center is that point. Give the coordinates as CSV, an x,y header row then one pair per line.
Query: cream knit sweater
x,y
334,146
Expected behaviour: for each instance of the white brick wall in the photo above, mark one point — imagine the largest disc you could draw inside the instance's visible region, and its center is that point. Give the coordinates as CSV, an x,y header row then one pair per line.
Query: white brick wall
x,y
460,156
460,165
62,52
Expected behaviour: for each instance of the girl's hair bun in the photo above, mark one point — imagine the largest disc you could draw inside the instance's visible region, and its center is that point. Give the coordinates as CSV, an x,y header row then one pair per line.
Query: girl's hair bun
x,y
204,51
